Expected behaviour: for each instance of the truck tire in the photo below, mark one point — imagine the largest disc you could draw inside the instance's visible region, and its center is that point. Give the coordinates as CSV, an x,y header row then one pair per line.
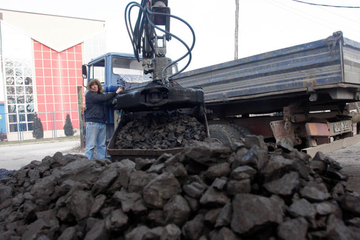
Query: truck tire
x,y
244,131
224,133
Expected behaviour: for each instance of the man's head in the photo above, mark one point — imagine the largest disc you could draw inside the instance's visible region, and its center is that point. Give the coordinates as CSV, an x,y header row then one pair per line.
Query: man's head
x,y
95,86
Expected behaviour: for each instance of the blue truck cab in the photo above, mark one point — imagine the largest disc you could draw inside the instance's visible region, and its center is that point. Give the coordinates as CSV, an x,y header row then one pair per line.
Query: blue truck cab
x,y
114,70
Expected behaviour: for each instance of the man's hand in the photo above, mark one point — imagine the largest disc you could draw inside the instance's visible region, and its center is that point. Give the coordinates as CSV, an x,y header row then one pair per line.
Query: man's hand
x,y
120,89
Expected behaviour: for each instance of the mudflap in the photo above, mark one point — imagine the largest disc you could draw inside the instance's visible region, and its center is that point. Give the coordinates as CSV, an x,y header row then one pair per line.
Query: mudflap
x,y
283,133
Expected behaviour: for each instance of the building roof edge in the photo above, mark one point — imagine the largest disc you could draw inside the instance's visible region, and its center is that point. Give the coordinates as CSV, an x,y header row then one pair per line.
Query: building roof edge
x,y
53,15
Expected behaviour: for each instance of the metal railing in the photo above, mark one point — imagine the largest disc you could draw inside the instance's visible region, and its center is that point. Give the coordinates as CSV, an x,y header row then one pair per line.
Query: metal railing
x,y
21,123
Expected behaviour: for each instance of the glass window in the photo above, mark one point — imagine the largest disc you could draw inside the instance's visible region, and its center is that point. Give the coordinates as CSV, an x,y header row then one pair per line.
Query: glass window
x,y
12,118
126,66
13,127
20,99
10,81
19,90
28,81
30,126
23,127
97,71
9,72
17,63
10,90
19,81
8,63
118,64
100,74
21,108
30,108
10,100
26,64
30,117
29,99
11,108
18,72
21,117
29,90
27,72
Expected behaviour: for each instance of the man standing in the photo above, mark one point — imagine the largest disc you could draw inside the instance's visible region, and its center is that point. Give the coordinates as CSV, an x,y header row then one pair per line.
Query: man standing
x,y
95,118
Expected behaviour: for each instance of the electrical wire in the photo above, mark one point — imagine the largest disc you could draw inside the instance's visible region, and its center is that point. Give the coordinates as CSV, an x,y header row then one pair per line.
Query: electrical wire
x,y
331,20
347,18
303,15
142,28
325,5
328,23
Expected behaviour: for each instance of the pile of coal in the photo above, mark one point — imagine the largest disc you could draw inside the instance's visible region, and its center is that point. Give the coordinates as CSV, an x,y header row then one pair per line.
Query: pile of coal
x,y
209,191
160,130
4,172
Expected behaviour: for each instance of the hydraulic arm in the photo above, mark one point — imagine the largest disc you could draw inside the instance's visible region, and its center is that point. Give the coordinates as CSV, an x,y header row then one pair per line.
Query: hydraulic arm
x,y
162,93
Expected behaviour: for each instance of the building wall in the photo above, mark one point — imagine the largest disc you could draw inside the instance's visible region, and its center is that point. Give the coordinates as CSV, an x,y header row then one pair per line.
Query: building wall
x,y
58,32
57,76
2,119
18,82
42,76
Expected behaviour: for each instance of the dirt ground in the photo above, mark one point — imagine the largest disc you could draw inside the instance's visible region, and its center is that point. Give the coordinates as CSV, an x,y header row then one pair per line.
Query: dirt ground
x,y
349,158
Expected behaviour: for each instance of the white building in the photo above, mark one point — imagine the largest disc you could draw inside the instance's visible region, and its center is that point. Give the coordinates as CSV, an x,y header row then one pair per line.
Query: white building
x,y
41,58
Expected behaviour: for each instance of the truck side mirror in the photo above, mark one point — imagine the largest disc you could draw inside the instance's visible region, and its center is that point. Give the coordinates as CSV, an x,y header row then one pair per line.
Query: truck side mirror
x,y
84,71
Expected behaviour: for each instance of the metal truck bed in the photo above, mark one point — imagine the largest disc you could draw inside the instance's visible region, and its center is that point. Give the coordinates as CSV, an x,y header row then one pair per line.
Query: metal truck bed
x,y
267,82
121,154
118,154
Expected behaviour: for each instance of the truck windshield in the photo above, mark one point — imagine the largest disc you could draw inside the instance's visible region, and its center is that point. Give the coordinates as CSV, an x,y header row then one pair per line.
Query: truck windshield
x,y
126,66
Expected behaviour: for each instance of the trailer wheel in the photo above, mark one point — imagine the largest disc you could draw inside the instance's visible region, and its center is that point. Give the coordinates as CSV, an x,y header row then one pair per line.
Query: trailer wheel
x,y
224,133
244,131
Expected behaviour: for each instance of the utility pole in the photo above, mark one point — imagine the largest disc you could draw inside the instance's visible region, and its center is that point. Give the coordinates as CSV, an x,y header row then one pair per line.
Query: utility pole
x,y
236,28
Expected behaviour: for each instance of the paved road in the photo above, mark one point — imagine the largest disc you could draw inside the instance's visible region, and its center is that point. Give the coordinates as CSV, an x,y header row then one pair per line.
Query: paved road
x,y
13,157
349,158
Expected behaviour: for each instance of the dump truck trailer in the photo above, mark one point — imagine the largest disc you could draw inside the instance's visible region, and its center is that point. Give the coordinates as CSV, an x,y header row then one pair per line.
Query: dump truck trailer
x,y
296,96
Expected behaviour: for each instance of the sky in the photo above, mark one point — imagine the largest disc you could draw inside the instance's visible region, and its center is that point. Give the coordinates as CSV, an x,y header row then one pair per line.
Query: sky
x,y
264,25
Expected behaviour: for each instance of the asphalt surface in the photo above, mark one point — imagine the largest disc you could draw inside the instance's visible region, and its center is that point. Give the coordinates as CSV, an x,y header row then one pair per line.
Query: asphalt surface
x,y
13,157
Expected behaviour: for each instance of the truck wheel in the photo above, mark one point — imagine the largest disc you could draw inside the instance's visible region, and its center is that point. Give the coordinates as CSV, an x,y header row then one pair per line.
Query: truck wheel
x,y
244,131
224,133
